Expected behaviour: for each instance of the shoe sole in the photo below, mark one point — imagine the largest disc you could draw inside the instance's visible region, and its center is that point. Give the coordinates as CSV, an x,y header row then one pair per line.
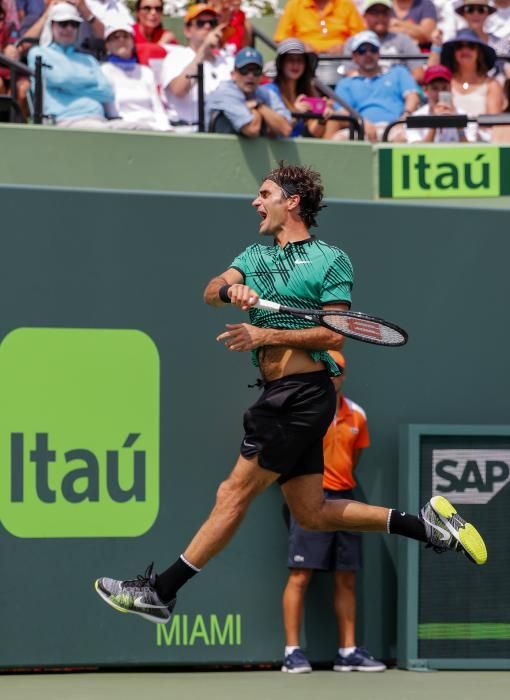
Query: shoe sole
x,y
296,670
362,669
150,618
468,536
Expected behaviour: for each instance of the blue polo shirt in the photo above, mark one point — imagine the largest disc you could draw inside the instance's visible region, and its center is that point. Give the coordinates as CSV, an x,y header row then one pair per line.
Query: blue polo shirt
x,y
381,97
74,84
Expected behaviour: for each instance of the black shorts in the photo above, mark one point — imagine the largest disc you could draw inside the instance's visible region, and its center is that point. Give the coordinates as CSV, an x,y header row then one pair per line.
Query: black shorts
x,y
285,427
324,551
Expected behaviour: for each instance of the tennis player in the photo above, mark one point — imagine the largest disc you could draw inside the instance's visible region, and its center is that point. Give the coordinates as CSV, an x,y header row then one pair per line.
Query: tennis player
x,y
284,428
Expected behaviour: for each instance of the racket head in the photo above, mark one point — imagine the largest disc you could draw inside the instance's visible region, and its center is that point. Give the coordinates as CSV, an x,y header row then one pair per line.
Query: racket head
x,y
369,329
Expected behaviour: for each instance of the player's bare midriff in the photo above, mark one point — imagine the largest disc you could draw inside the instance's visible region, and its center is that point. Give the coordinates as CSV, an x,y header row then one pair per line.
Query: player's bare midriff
x,y
278,362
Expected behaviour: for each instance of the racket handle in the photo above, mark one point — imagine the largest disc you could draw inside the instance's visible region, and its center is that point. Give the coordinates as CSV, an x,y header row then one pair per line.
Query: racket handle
x,y
269,305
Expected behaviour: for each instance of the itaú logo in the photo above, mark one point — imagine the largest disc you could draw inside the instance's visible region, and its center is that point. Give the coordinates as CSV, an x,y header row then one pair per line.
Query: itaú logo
x,y
469,476
79,432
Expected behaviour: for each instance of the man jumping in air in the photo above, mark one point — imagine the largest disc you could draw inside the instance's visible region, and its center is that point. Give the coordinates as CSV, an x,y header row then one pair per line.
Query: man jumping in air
x,y
284,428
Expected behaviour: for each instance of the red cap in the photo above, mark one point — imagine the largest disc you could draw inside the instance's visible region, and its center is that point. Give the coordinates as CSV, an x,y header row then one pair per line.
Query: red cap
x,y
438,72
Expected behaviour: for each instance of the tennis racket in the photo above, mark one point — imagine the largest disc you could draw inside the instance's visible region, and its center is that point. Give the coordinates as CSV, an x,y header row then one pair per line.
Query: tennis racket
x,y
352,324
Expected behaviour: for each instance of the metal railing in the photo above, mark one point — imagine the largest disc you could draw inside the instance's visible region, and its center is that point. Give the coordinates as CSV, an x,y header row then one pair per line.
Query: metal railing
x,y
448,121
355,125
16,69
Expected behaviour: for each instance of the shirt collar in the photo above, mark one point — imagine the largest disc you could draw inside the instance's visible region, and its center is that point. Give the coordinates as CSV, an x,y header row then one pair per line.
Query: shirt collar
x,y
344,410
71,48
289,245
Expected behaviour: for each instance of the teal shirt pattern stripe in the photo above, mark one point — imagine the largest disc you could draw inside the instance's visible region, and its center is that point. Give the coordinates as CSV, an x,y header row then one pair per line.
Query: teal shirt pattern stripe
x,y
307,274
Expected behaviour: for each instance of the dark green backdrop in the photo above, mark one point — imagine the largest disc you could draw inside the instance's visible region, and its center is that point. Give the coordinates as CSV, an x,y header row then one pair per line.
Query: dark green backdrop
x,y
129,260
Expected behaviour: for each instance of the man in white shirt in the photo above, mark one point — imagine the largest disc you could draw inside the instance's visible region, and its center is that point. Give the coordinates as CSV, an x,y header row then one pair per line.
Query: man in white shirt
x,y
204,35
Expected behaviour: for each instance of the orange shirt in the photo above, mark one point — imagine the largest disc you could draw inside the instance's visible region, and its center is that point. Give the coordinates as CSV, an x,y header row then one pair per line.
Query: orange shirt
x,y
347,432
320,29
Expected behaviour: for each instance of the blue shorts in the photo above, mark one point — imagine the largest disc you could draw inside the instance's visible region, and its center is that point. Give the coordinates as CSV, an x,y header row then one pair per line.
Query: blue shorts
x,y
325,551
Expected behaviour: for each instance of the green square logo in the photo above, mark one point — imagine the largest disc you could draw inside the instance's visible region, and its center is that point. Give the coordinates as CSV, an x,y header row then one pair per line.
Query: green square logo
x,y
79,432
437,171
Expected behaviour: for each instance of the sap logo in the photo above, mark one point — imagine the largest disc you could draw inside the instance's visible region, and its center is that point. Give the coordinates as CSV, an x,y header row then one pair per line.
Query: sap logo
x,y
469,476
79,432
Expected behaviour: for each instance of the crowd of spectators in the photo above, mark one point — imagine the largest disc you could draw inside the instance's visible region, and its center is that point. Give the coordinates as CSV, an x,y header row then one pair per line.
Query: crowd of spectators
x,y
105,67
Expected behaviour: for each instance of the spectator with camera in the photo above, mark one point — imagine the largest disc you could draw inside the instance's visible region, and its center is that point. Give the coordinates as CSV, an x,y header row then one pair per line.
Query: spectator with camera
x,y
379,95
245,107
377,15
136,100
180,67
437,88
295,68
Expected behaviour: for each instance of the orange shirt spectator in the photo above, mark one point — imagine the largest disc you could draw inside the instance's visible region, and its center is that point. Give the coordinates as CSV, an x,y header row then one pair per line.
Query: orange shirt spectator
x,y
322,25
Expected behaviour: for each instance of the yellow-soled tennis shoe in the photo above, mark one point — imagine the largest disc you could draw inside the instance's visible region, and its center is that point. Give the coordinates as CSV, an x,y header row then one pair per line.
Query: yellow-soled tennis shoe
x,y
446,529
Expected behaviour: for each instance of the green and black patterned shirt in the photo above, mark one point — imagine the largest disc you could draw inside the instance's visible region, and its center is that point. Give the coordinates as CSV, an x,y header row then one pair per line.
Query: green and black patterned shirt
x,y
307,274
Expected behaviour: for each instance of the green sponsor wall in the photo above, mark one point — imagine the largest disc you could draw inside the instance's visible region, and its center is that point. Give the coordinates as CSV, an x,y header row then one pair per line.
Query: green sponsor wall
x,y
136,263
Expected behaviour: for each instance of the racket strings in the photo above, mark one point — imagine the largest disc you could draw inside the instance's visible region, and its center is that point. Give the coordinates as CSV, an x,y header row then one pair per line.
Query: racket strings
x,y
365,329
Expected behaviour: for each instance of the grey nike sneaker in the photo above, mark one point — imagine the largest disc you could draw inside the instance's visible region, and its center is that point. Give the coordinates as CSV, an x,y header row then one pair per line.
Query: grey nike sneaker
x,y
136,596
447,530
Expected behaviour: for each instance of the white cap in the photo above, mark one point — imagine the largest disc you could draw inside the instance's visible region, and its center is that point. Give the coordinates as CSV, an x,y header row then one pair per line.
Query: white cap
x,y
117,24
64,12
366,37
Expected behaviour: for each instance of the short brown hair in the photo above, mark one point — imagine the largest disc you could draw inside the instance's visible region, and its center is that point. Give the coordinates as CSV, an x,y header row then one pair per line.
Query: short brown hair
x,y
301,180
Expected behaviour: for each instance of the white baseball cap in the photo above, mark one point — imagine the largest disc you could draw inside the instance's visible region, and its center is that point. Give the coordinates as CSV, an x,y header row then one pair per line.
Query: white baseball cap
x,y
64,12
366,37
118,25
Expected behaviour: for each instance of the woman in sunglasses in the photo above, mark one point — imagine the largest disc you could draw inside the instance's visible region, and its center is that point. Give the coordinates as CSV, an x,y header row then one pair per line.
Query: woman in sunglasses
x,y
148,28
293,83
470,59
475,14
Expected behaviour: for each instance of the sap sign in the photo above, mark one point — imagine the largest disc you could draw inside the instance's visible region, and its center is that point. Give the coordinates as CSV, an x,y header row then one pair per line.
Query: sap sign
x,y
469,476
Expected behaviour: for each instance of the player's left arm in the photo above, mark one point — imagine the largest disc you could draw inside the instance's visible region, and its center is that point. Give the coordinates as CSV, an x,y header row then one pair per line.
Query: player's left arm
x,y
243,337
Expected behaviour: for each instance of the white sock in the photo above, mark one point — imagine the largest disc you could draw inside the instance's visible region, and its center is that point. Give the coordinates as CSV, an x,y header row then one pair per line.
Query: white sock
x,y
289,650
345,651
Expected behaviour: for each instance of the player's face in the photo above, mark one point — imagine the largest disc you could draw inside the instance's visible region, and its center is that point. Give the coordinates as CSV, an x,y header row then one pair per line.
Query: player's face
x,y
271,205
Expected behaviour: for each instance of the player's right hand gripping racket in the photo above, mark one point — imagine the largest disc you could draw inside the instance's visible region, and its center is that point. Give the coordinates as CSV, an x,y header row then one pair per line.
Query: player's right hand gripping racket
x,y
352,324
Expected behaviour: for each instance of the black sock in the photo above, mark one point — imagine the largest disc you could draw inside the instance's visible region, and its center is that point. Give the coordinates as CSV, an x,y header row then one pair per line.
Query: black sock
x,y
168,583
406,525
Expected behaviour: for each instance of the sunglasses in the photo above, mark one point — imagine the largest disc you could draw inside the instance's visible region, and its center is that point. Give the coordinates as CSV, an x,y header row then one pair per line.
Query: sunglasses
x,y
366,49
200,23
466,45
254,70
472,9
150,8
68,23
